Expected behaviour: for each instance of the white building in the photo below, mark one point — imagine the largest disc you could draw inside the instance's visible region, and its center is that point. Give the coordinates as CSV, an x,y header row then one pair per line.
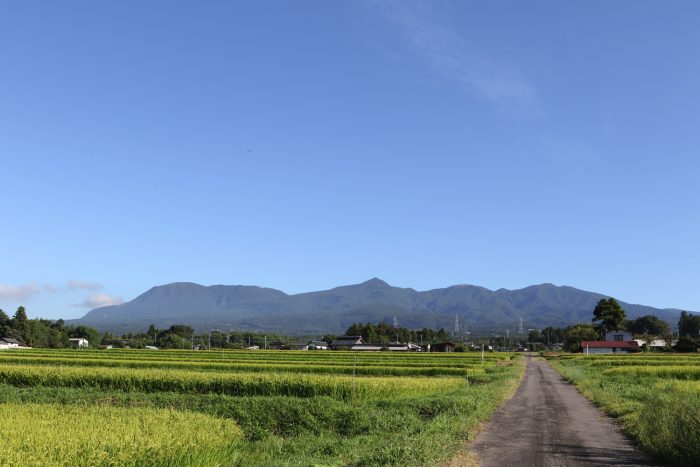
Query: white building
x,y
618,336
79,342
9,343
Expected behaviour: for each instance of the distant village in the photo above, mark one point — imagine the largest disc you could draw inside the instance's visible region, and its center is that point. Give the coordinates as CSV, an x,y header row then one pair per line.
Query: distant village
x,y
608,333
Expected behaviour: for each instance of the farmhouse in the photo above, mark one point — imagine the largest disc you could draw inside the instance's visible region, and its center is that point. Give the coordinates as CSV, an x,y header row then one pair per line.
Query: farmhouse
x,y
346,342
317,345
615,342
9,343
79,342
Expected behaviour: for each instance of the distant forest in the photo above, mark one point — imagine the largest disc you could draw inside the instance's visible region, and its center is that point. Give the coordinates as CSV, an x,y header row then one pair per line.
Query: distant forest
x,y
43,333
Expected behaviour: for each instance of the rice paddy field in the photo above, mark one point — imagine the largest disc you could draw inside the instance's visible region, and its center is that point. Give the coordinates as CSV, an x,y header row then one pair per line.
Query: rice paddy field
x,y
656,397
146,407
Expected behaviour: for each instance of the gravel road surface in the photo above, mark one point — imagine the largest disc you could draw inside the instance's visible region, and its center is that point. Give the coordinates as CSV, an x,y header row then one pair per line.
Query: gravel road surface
x,y
549,423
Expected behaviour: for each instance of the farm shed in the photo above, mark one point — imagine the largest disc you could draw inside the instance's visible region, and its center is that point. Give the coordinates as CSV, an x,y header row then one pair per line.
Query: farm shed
x,y
408,347
442,347
367,347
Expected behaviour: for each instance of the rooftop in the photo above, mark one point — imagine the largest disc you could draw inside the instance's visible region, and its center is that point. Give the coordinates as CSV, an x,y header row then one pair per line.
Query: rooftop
x,y
610,344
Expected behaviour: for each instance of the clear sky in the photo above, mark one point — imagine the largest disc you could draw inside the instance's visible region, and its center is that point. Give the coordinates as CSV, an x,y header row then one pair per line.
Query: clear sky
x,y
308,144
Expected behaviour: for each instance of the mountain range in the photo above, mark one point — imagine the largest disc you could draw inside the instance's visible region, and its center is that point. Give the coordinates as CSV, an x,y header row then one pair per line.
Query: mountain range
x,y
239,307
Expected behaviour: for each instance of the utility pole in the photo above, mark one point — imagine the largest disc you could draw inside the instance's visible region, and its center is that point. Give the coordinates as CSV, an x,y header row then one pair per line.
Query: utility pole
x,y
265,341
456,332
520,328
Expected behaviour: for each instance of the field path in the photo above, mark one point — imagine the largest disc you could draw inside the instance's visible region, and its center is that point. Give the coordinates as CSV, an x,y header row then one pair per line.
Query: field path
x,y
549,423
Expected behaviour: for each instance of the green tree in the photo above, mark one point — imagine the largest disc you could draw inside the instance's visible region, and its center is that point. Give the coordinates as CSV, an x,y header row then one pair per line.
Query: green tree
x,y
184,331
18,325
152,332
577,333
609,315
535,336
21,315
689,326
174,341
648,324
4,324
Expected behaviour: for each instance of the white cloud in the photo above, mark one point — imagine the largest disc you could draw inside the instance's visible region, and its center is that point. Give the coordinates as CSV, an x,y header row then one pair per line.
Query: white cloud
x,y
98,300
82,285
451,54
18,292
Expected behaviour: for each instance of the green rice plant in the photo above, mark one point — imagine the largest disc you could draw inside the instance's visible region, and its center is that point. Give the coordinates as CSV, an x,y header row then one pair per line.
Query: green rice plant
x,y
276,356
49,434
300,385
691,372
286,418
296,367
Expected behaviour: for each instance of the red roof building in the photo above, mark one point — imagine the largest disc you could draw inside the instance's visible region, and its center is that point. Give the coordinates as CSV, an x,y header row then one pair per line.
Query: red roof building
x,y
599,347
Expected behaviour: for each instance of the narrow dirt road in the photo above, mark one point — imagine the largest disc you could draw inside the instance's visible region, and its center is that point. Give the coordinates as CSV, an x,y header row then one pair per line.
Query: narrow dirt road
x,y
549,423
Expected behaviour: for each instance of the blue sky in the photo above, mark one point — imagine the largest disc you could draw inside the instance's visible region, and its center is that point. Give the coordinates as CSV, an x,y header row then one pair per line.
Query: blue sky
x,y
305,145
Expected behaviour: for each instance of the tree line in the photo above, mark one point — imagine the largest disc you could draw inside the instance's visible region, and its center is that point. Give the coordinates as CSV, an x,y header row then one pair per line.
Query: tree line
x,y
384,333
43,333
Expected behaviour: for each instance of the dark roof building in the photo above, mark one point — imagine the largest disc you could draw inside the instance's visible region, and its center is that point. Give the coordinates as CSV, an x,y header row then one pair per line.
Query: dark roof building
x,y
346,341
442,347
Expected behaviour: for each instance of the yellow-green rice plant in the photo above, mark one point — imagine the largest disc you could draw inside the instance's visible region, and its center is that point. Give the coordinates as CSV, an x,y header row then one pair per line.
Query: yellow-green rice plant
x,y
237,384
48,435
676,371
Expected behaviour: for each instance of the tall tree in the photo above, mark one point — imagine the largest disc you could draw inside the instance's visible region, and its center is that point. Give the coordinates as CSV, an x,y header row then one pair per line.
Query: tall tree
x,y
4,324
577,333
648,324
609,315
21,314
689,325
